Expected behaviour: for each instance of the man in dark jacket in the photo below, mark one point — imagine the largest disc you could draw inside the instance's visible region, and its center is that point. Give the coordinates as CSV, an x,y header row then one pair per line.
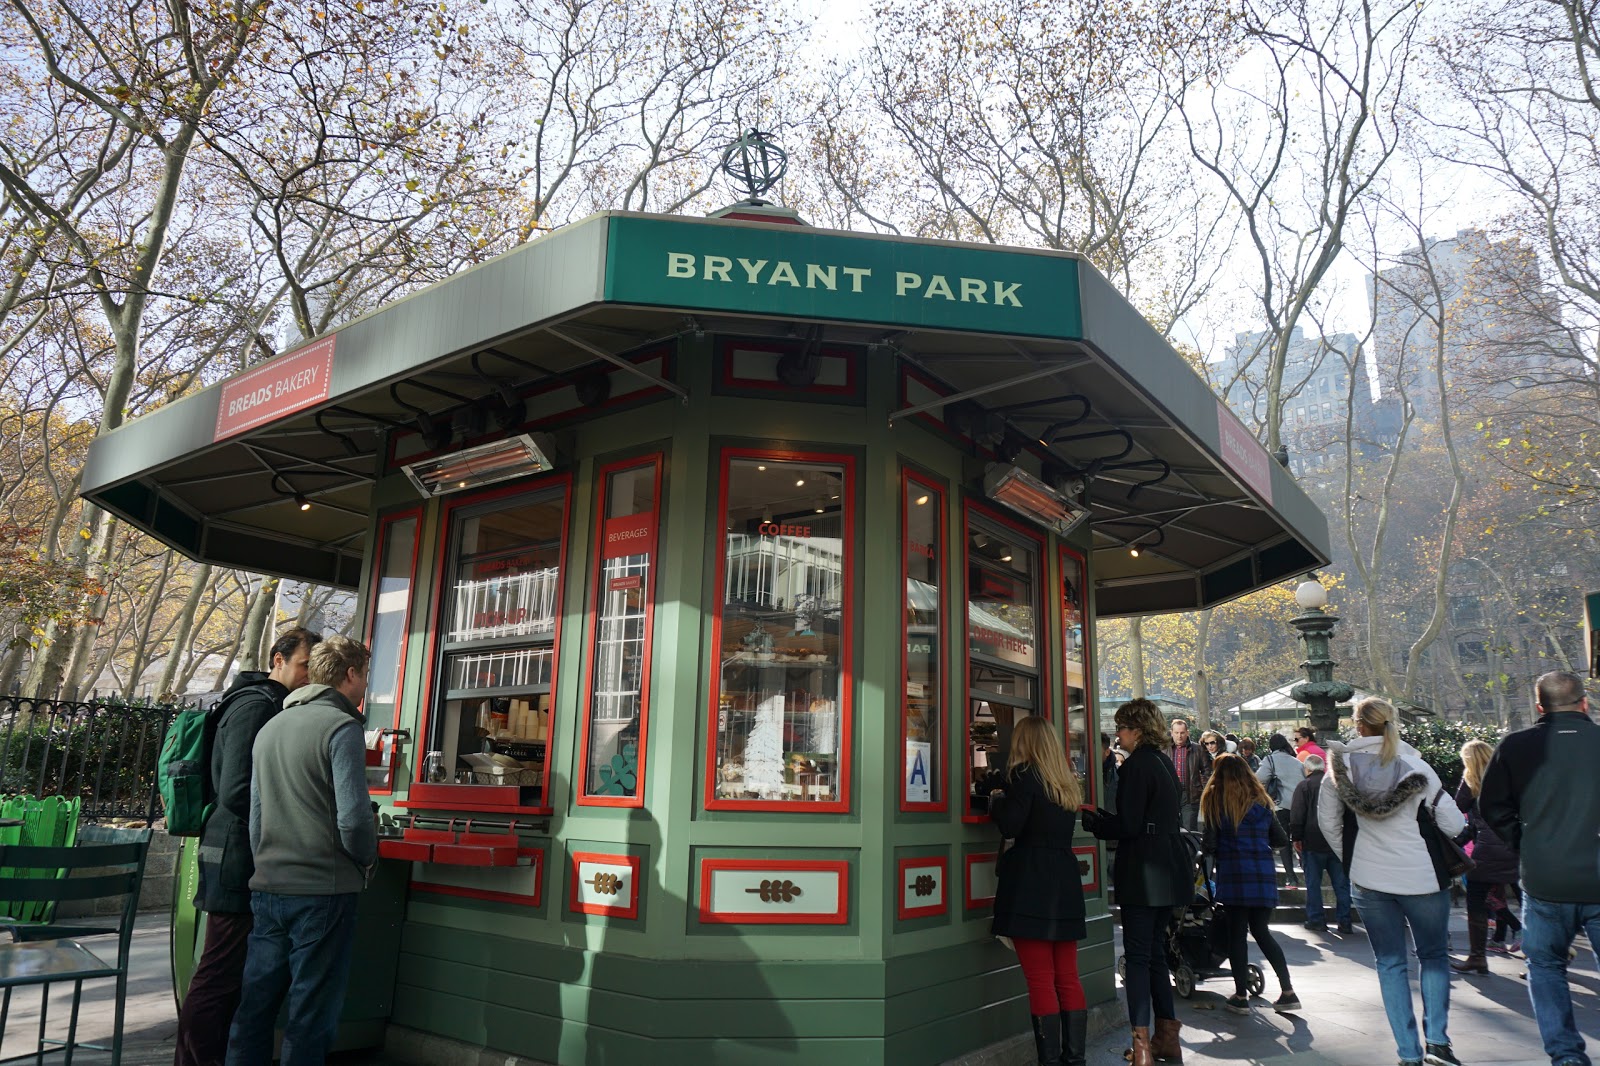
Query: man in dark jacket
x,y
225,864
1193,764
1541,796
316,845
1315,853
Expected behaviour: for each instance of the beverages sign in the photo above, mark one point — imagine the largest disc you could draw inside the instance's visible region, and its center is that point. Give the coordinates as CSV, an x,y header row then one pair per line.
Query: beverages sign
x,y
277,388
812,274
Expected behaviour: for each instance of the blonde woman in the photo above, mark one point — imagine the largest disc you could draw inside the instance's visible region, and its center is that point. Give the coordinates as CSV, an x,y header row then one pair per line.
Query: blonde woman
x,y
1241,832
1383,785
1039,903
1494,861
1153,874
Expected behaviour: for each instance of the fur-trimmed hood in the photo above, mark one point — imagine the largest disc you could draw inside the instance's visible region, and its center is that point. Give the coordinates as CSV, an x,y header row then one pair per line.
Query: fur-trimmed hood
x,y
1388,853
1380,803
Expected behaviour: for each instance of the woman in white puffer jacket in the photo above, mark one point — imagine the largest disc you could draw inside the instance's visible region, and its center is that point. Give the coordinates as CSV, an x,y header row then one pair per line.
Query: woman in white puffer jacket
x,y
1379,789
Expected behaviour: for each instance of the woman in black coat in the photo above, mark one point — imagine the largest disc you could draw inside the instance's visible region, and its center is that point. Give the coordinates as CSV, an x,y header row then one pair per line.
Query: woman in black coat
x,y
1039,903
1154,873
1494,861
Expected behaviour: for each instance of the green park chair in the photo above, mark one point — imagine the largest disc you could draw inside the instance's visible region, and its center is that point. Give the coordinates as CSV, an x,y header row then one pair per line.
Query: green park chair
x,y
44,963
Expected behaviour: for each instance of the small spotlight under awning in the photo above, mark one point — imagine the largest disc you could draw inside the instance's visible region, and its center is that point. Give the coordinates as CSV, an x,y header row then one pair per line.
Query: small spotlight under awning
x,y
485,464
1027,495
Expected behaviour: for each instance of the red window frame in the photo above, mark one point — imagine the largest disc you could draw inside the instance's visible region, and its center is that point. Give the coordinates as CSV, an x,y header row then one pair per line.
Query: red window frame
x,y
847,465
442,592
1091,752
635,892
976,858
922,862
730,380
840,915
938,490
1041,613
602,481
385,525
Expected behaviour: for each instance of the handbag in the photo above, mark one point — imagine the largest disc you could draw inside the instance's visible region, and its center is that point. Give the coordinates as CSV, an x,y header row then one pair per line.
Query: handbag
x,y
1450,860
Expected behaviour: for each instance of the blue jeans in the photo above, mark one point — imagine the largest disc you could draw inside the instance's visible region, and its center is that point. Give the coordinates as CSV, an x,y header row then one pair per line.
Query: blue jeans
x,y
1316,863
1386,916
300,946
1548,930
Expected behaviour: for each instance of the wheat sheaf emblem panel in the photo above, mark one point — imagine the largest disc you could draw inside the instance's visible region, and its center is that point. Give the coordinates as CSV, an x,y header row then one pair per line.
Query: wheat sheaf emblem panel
x,y
774,891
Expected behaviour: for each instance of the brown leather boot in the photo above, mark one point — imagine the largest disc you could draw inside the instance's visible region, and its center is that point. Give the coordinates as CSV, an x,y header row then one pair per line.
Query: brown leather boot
x,y
1477,944
1141,1047
1164,1044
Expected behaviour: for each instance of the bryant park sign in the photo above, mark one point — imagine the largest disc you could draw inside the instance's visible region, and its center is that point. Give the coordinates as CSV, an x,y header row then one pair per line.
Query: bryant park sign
x,y
790,270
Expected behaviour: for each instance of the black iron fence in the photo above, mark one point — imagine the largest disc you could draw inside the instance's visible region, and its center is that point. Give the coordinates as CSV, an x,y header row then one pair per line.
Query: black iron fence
x,y
103,751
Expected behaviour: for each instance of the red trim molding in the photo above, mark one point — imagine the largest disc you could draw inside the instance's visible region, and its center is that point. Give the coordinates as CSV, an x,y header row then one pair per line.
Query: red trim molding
x,y
847,466
626,887
1091,738
431,686
521,899
911,870
586,724
765,899
981,858
385,527
1091,854
936,489
1041,612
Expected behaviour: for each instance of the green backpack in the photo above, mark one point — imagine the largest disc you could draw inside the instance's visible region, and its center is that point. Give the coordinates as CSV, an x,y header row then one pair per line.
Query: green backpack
x,y
183,769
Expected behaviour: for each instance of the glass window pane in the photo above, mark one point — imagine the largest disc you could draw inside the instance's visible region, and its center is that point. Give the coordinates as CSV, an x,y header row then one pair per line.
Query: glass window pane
x,y
493,721
1002,649
780,674
922,710
619,668
390,610
1081,744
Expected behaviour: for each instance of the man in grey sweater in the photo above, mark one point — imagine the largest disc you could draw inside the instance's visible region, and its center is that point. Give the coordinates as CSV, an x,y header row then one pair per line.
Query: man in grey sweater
x,y
315,845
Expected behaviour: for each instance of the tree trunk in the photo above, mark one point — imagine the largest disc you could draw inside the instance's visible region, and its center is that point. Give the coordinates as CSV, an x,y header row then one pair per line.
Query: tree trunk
x,y
1136,655
10,667
181,640
262,608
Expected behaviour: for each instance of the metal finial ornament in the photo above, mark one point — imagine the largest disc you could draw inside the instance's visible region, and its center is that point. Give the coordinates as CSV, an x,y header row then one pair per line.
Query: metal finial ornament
x,y
755,163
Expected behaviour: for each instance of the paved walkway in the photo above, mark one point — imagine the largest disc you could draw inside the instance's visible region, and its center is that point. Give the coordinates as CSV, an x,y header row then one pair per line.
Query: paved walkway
x,y
1342,1024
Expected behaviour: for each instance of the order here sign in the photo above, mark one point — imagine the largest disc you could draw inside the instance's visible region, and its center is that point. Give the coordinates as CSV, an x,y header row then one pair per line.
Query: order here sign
x,y
278,387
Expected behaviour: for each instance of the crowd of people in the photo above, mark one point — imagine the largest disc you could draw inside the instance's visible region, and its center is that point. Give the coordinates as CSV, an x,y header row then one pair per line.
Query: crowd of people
x,y
285,852
1369,813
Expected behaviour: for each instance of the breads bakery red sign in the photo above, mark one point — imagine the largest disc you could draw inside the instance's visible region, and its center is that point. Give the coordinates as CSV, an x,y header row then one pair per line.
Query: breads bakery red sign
x,y
276,388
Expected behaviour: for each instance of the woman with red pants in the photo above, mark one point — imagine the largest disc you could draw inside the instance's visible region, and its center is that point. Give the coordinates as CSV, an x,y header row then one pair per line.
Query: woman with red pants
x,y
1039,903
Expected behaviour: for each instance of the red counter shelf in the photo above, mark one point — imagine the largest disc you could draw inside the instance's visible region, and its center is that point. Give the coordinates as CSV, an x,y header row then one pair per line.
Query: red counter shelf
x,y
447,847
503,799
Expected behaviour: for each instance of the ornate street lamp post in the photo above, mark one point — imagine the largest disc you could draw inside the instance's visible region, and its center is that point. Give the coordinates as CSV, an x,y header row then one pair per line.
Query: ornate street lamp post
x,y
1320,691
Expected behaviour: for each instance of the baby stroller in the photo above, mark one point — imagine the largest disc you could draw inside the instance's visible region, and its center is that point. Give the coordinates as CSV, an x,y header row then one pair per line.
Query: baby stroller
x,y
1197,941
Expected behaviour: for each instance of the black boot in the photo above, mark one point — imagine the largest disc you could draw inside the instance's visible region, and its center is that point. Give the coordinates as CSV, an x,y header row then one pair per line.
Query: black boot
x,y
1074,1037
1047,1038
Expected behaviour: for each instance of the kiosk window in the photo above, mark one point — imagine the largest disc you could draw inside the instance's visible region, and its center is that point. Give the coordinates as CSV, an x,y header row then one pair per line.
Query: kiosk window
x,y
501,614
1083,746
619,655
1003,666
387,628
922,709
780,716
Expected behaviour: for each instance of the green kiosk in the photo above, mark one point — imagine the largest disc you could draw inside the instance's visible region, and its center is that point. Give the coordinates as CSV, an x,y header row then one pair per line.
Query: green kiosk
x,y
707,564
